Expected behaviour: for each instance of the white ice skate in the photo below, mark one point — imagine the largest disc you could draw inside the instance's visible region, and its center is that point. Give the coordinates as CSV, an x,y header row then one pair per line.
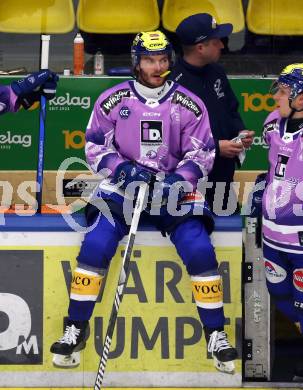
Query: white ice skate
x,y
222,352
67,361
67,349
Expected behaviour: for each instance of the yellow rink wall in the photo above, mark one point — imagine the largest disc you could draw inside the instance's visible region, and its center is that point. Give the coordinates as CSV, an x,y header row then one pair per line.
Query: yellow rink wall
x,y
158,340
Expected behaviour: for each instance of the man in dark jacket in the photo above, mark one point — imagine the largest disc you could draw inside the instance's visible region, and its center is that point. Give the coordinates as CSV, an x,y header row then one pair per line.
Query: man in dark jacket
x,y
197,70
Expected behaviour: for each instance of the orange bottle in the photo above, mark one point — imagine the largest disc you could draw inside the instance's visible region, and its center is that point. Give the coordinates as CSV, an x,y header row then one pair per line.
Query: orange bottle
x,y
78,55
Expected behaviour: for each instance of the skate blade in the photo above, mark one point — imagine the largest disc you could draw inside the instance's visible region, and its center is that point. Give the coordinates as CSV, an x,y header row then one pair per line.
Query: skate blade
x,y
67,361
226,367
298,379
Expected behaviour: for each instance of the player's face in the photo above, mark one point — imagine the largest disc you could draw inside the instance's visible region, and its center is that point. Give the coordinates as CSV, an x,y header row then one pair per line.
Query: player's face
x,y
150,70
211,50
281,97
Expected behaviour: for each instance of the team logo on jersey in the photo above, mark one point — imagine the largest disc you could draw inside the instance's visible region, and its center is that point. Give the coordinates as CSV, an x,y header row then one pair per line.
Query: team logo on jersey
x,y
115,98
280,168
151,154
298,279
287,138
187,102
124,112
273,272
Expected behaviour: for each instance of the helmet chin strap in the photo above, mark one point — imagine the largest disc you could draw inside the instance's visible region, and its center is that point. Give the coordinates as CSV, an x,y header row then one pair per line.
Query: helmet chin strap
x,y
292,111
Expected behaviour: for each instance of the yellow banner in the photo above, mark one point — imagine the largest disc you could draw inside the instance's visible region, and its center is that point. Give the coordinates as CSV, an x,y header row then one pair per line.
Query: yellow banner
x,y
158,328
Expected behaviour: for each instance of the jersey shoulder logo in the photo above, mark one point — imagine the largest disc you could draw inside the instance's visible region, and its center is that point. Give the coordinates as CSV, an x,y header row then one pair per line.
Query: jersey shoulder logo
x,y
270,126
187,102
114,99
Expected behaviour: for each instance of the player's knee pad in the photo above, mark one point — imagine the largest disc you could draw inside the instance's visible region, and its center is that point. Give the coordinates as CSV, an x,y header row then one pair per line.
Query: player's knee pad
x,y
200,257
194,247
97,253
100,245
207,290
86,284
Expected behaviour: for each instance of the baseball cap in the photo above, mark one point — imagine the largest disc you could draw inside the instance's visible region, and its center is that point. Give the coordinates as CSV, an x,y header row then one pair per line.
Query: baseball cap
x,y
200,27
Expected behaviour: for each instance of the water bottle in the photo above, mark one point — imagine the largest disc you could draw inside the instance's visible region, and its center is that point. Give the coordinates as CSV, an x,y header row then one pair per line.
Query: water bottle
x,y
99,63
78,55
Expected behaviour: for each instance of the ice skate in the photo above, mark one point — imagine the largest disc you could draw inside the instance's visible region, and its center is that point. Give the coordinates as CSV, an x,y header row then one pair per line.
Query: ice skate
x,y
222,352
67,349
298,374
67,361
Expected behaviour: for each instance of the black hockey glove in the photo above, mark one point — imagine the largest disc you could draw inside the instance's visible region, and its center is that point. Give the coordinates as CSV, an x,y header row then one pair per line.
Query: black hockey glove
x,y
128,172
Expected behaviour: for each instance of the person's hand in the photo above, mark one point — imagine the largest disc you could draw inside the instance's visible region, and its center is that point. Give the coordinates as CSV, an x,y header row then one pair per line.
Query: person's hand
x,y
49,88
229,148
255,197
249,137
33,86
128,172
172,182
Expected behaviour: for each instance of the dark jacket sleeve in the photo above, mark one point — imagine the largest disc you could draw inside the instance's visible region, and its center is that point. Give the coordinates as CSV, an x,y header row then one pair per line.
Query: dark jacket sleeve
x,y
234,106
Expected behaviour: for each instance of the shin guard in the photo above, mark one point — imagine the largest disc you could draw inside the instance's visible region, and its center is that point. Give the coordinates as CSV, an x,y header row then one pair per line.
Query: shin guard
x,y
208,292
85,285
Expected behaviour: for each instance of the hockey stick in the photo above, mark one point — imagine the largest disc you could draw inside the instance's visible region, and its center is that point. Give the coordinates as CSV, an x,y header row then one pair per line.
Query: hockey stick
x,y
121,284
42,117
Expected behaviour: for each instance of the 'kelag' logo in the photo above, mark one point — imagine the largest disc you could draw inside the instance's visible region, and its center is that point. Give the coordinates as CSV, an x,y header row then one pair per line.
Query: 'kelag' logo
x,y
21,307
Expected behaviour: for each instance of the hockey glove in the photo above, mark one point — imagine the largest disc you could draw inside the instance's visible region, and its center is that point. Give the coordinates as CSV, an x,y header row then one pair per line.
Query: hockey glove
x,y
170,184
256,196
50,86
33,86
128,172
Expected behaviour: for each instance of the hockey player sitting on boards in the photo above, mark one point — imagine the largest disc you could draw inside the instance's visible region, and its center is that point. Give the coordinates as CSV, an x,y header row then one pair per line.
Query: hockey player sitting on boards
x,y
281,202
138,129
27,91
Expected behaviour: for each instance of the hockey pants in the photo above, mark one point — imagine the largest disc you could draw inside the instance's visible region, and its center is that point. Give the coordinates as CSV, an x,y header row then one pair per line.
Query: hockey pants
x,y
284,279
194,248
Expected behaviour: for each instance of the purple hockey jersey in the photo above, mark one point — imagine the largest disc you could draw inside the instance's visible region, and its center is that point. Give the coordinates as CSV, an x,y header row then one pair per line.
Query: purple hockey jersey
x,y
283,196
169,134
7,100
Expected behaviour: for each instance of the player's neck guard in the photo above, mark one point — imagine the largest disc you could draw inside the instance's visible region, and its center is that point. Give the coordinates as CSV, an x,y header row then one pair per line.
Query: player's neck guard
x,y
152,93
